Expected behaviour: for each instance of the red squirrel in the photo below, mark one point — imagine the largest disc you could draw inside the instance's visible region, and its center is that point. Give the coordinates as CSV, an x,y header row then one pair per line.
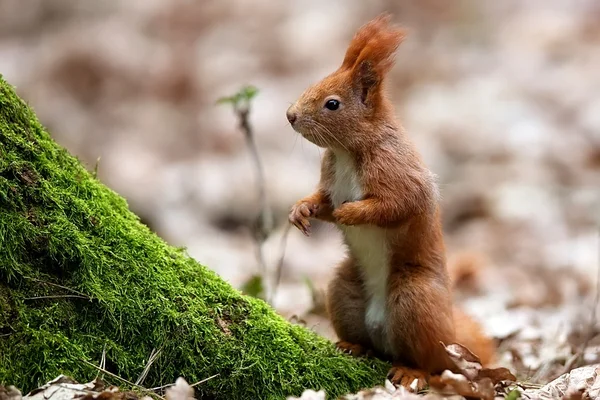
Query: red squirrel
x,y
392,295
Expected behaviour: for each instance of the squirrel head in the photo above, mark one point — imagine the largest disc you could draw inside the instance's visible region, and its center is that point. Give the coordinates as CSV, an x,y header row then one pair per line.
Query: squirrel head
x,y
342,108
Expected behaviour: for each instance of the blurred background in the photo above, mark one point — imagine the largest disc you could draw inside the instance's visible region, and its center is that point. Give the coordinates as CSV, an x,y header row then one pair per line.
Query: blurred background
x,y
501,98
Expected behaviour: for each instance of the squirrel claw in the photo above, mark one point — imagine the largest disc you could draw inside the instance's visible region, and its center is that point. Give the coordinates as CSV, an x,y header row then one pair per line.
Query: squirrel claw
x,y
305,229
355,350
302,224
299,217
412,379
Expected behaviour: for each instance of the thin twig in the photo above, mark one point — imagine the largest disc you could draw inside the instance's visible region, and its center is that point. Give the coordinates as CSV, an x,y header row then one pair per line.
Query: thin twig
x,y
264,220
260,257
529,385
58,296
95,173
161,387
57,285
572,361
204,380
124,380
153,356
279,266
102,360
592,327
265,216
195,384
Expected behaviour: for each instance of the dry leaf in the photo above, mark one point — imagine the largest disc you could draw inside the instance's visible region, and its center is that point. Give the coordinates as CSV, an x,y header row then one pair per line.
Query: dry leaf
x,y
466,362
180,391
310,394
594,390
389,392
61,388
580,383
66,388
575,394
470,366
9,393
450,382
496,374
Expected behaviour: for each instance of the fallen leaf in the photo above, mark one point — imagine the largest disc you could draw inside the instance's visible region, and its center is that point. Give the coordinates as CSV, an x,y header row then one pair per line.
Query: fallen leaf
x,y
470,366
497,374
310,394
450,382
9,393
66,388
466,362
580,383
575,394
389,392
180,391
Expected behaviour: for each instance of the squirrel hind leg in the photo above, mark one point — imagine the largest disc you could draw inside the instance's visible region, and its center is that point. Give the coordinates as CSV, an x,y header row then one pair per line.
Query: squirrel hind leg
x,y
346,309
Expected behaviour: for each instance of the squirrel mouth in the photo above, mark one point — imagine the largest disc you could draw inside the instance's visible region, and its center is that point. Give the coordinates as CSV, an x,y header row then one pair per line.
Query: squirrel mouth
x,y
308,132
314,138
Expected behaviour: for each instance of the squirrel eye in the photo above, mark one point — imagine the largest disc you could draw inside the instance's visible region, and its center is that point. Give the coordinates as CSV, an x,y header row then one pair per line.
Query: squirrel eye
x,y
332,105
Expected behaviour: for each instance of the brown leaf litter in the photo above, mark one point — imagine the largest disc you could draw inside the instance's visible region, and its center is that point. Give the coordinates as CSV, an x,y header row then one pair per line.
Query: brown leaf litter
x,y
473,381
66,388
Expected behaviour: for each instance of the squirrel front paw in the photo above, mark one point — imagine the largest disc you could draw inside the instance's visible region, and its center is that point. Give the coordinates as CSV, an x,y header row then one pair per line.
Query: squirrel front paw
x,y
299,215
354,349
347,214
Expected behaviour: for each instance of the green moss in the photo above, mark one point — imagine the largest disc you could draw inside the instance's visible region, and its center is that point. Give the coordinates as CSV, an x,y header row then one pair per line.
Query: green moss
x,y
124,290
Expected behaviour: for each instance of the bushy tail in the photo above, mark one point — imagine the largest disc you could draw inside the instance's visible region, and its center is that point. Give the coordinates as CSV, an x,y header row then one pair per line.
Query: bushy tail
x,y
465,271
470,334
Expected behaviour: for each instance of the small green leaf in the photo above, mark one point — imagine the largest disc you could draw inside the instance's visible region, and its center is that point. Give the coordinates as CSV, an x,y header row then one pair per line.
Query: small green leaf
x,y
249,92
513,395
225,100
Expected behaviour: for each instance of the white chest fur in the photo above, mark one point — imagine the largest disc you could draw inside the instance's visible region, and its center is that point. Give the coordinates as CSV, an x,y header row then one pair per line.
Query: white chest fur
x,y
346,186
367,245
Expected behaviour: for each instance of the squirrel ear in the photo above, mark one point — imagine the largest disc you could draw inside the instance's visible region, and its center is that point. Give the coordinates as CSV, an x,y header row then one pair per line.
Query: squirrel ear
x,y
366,81
370,55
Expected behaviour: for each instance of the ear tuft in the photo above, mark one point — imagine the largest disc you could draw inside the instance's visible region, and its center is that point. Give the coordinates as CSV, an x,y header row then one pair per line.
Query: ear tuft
x,y
374,43
370,56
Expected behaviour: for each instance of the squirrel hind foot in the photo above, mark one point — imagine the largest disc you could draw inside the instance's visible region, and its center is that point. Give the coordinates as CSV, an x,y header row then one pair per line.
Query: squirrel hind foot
x,y
353,349
411,379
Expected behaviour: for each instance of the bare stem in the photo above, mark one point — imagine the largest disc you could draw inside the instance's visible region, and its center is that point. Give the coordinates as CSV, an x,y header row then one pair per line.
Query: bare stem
x,y
592,331
146,390
102,361
153,356
264,223
204,380
279,266
192,385
265,218
58,296
57,285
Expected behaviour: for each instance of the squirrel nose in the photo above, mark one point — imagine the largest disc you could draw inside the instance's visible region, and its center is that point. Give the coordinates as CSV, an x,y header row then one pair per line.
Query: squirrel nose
x,y
291,116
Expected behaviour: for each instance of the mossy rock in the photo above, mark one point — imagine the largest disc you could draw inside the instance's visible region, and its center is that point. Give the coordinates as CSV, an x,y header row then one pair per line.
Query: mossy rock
x,y
79,275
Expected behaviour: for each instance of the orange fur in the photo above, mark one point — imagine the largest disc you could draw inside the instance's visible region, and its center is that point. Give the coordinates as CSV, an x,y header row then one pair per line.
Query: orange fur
x,y
392,294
